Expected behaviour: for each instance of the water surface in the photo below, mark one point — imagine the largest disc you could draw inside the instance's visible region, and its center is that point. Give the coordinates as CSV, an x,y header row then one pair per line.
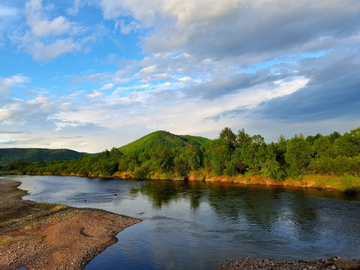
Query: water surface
x,y
193,225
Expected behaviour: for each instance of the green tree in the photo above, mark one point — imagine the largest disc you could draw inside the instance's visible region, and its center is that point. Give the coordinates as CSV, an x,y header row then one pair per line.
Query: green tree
x,y
140,173
349,144
323,147
228,135
216,155
243,138
298,155
335,135
311,139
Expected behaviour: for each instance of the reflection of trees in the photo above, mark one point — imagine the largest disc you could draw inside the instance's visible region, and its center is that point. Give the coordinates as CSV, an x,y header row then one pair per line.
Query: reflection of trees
x,y
258,206
161,193
195,196
304,212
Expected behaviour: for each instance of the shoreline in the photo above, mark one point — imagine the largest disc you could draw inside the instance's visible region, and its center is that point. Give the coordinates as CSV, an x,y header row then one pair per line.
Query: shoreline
x,y
272,264
47,236
328,182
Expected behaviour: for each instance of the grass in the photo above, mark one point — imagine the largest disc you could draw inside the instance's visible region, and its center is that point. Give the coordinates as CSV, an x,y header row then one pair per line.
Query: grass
x,y
330,183
199,140
349,182
343,183
160,138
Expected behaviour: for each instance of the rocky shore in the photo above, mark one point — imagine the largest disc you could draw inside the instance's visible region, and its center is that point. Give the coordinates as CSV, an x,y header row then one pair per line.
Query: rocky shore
x,y
272,264
46,236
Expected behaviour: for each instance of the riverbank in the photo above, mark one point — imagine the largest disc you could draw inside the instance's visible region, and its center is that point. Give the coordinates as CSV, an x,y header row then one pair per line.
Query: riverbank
x,y
272,264
344,183
46,236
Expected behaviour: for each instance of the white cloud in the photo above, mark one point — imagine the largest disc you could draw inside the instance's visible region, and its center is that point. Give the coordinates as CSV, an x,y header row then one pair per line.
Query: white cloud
x,y
251,31
48,38
158,76
5,114
55,27
120,80
7,83
121,89
146,71
43,27
43,52
107,86
185,79
18,112
126,29
75,9
167,83
200,10
96,94
91,78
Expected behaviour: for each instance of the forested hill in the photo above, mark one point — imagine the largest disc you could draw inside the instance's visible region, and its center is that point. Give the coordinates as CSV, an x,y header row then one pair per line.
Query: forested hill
x,y
36,154
160,138
319,161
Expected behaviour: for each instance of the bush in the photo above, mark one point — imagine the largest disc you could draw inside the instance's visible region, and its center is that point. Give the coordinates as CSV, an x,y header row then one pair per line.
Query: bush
x,y
347,182
139,173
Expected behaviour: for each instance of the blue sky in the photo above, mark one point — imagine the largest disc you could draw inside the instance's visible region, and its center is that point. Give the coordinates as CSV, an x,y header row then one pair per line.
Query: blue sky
x,y
95,74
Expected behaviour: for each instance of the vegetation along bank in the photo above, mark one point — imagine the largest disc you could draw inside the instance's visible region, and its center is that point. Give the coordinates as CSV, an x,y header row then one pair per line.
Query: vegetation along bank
x,y
331,161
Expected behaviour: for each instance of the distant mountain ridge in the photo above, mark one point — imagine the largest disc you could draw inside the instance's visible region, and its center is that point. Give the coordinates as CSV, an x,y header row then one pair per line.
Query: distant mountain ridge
x,y
160,138
152,140
37,154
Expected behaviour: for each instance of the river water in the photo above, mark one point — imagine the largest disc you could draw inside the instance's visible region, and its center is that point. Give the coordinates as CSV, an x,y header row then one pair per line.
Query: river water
x,y
193,225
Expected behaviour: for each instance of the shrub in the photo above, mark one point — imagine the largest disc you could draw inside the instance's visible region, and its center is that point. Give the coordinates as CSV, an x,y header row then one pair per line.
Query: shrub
x,y
139,173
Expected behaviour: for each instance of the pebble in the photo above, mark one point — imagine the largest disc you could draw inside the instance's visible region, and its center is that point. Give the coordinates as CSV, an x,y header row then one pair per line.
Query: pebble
x,y
272,264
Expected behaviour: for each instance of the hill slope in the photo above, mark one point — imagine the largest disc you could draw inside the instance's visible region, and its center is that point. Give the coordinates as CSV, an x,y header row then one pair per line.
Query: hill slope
x,y
36,154
160,138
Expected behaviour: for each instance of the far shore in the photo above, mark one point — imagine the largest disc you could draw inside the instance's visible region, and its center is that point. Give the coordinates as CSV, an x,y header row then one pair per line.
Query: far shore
x,y
46,236
329,182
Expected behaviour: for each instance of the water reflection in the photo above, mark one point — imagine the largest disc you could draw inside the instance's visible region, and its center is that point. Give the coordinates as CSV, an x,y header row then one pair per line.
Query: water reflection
x,y
290,209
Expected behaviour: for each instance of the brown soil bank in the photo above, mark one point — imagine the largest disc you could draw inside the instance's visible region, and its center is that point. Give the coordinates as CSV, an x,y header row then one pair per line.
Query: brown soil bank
x,y
46,236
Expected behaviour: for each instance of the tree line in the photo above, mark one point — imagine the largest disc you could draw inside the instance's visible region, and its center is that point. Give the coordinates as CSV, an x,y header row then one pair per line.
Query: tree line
x,y
231,154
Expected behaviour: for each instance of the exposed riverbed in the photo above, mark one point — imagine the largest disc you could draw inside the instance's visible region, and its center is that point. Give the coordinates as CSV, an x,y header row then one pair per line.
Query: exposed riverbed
x,y
194,225
48,236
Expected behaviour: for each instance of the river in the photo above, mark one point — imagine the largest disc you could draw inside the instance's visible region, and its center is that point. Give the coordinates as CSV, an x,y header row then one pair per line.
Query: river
x,y
195,225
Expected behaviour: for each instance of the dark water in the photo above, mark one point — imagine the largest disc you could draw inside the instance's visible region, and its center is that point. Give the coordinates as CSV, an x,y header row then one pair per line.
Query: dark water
x,y
199,225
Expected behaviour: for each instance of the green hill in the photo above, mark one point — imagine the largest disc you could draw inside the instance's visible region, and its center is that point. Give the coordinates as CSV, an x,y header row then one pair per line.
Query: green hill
x,y
160,138
36,154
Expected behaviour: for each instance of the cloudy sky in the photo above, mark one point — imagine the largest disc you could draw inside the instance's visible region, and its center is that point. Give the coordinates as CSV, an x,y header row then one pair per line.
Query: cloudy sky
x,y
95,74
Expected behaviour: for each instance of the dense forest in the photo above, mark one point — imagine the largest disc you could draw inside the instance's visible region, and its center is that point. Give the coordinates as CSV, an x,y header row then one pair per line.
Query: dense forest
x,y
8,155
231,154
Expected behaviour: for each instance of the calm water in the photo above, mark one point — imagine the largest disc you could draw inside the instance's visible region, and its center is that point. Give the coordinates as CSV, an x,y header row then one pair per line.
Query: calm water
x,y
199,225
